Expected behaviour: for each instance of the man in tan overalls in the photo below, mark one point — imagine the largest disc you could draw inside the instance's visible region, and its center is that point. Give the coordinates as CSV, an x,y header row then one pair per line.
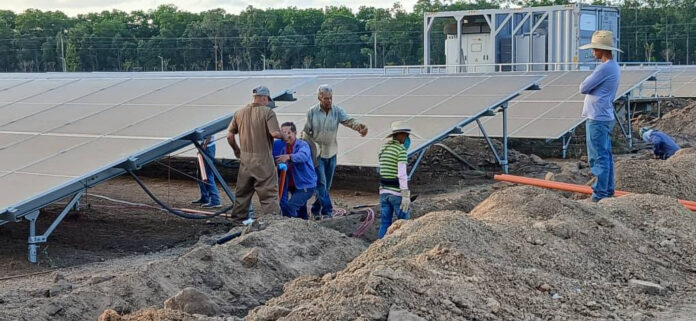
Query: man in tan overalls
x,y
257,126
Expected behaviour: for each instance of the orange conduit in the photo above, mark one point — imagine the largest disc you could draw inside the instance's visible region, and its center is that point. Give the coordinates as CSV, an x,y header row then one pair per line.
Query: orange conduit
x,y
691,205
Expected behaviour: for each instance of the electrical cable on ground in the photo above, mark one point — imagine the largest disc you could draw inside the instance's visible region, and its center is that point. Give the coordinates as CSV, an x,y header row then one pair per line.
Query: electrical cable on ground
x,y
367,222
172,210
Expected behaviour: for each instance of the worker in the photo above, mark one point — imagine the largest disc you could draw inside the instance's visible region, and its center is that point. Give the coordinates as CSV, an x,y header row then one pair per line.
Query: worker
x,y
210,198
257,126
394,195
301,178
663,145
321,129
600,90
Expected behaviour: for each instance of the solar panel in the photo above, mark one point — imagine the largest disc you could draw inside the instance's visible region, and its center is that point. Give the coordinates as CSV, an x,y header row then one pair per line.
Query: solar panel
x,y
684,81
59,136
554,110
432,105
55,133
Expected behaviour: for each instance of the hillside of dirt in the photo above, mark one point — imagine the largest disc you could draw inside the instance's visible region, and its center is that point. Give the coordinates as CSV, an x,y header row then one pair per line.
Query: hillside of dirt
x,y
234,276
674,177
677,121
522,254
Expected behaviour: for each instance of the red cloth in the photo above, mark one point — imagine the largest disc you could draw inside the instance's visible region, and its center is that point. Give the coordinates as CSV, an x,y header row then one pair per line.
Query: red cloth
x,y
288,150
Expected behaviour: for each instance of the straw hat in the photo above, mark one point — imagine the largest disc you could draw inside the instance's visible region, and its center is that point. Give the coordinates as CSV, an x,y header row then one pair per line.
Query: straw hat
x,y
601,39
399,127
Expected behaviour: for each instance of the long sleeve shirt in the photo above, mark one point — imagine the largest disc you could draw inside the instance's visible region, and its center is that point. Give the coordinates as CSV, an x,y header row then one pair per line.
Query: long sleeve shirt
x,y
301,167
600,90
663,145
392,165
323,127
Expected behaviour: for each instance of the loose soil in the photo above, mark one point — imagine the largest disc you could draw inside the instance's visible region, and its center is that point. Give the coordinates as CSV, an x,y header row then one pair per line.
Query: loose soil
x,y
522,254
674,177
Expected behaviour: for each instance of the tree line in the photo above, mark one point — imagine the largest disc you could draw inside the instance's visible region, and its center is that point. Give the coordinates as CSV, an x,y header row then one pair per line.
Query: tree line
x,y
167,38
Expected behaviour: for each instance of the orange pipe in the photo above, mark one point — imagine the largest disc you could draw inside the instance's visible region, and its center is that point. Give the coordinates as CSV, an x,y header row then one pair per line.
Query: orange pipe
x,y
568,187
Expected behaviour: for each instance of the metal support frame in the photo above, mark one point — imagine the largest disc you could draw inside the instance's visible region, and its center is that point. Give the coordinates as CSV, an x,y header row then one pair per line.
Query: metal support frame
x,y
218,176
418,160
626,130
210,162
503,161
35,239
566,141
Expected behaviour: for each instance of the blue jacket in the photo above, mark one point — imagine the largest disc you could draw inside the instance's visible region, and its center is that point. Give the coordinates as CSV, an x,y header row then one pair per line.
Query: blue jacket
x,y
663,145
301,167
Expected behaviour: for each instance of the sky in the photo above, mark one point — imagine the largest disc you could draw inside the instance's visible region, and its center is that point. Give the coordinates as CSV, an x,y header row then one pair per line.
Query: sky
x,y
74,7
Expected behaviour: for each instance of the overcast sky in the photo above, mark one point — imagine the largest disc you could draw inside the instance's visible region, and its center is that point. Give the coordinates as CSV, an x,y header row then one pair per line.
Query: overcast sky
x,y
74,7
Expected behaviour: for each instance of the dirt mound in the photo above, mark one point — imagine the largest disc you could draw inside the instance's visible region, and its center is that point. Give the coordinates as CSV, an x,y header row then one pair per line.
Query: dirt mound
x,y
524,253
678,123
286,249
674,177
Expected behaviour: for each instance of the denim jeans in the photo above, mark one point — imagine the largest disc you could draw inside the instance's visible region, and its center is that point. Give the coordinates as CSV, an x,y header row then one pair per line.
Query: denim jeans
x,y
389,205
209,191
296,206
601,160
325,174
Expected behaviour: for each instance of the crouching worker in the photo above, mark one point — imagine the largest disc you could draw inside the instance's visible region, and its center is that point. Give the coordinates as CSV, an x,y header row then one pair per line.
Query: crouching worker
x,y
300,178
394,196
663,145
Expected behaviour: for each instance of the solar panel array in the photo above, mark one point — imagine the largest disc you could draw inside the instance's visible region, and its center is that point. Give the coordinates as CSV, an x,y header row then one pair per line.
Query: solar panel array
x,y
554,110
684,81
432,105
53,131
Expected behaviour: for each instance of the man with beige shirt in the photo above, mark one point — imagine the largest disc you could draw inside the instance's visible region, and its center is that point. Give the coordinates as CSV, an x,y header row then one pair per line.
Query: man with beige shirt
x,y
257,126
320,130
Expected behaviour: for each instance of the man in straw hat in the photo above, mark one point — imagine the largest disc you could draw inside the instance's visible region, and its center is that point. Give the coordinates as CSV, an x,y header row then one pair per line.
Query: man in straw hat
x,y
600,90
256,125
394,195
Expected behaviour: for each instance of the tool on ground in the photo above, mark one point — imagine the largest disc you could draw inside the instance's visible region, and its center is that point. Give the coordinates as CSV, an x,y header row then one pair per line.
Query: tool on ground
x,y
254,225
283,171
691,205
357,207
201,167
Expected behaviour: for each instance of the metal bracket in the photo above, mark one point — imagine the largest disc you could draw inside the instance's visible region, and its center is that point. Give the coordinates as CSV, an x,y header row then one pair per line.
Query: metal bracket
x,y
503,161
131,163
418,160
35,239
210,162
9,214
566,141
286,96
626,130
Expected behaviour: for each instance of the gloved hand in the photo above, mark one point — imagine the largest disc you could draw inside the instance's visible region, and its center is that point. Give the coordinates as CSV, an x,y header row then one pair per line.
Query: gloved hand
x,y
405,200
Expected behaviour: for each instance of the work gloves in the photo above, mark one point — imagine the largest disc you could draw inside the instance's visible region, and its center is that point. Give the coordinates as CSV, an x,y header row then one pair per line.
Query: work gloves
x,y
405,200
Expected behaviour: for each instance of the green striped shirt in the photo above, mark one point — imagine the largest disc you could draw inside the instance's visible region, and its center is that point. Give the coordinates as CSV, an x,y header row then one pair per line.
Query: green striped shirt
x,y
391,154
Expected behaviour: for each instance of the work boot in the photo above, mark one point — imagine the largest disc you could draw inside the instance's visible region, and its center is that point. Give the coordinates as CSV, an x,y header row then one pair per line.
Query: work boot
x,y
199,201
210,205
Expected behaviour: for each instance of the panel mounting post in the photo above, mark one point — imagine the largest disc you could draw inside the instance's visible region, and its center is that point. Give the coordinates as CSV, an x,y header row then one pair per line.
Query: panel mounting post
x,y
503,161
35,239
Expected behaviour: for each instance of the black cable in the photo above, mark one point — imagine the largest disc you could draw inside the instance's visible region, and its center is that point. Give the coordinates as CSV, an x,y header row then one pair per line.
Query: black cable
x,y
171,210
